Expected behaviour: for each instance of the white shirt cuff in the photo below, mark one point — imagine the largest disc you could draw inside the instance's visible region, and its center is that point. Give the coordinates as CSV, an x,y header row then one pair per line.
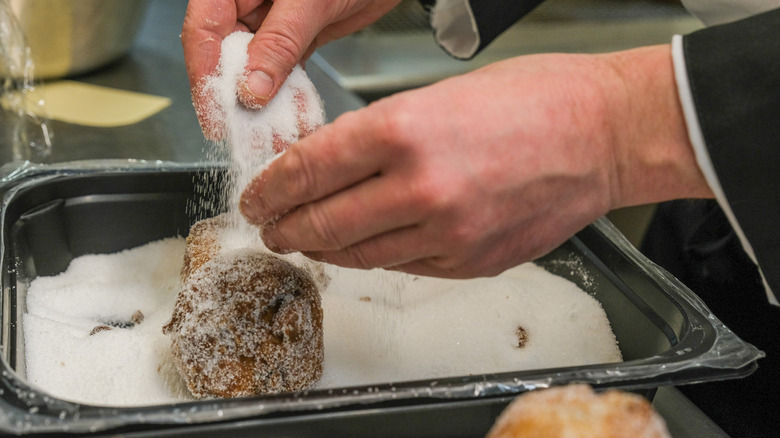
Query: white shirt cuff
x,y
702,154
455,28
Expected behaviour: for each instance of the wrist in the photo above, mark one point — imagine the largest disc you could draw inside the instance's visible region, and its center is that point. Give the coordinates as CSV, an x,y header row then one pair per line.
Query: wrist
x,y
654,160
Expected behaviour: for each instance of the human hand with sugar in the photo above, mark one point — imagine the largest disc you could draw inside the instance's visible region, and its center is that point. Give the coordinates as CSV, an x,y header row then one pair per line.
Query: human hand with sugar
x,y
286,33
484,171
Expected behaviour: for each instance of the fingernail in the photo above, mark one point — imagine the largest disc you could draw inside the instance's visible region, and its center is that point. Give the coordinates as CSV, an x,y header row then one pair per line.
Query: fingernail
x,y
268,236
250,213
271,246
259,84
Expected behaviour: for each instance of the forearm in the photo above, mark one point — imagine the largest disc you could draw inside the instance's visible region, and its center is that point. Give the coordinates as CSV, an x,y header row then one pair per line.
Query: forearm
x,y
653,155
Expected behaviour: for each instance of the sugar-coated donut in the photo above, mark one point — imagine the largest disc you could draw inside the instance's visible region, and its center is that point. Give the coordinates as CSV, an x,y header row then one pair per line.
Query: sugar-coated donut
x,y
202,243
576,411
245,322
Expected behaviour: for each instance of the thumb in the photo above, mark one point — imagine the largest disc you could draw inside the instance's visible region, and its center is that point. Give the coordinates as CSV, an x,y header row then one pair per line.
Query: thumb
x,y
277,47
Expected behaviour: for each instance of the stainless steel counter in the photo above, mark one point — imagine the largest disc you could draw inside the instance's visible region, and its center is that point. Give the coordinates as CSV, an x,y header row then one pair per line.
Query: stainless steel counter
x,y
155,65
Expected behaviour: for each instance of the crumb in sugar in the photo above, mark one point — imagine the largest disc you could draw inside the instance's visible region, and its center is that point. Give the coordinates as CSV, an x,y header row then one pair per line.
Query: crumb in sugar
x,y
522,337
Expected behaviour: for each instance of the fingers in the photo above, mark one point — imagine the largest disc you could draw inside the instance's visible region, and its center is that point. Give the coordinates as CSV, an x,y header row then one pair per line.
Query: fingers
x,y
284,32
395,248
305,127
281,42
411,250
206,24
334,157
370,208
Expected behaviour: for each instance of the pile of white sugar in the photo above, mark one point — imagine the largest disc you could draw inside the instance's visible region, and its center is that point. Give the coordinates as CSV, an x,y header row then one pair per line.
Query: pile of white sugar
x,y
439,327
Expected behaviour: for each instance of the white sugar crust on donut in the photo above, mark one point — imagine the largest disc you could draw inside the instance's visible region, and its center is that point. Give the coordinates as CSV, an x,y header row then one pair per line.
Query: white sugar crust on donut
x,y
245,322
576,411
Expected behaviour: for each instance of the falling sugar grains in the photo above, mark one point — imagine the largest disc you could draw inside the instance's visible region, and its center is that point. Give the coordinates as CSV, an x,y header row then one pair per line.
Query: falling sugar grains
x,y
250,138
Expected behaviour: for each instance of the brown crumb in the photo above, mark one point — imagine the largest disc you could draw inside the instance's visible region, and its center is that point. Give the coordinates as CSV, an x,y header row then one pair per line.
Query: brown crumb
x,y
522,337
137,317
366,299
99,328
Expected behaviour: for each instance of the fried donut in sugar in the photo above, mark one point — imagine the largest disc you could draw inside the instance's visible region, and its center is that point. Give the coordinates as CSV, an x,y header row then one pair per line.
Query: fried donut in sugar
x,y
246,323
576,411
202,243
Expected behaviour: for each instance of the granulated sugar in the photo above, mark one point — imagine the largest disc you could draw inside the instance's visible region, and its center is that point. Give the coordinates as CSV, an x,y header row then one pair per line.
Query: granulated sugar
x,y
444,327
252,137
460,327
120,366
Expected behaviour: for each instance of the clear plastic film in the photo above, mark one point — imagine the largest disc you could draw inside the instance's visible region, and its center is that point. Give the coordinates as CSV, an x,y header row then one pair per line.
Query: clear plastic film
x,y
645,304
30,134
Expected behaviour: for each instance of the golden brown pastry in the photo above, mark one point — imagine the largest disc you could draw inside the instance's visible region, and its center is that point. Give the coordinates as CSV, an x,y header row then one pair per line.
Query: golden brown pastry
x,y
576,411
245,322
202,243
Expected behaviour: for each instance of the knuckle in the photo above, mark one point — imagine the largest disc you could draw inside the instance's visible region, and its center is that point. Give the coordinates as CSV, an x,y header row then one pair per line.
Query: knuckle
x,y
299,179
465,234
455,266
356,254
284,49
321,229
449,266
429,194
395,125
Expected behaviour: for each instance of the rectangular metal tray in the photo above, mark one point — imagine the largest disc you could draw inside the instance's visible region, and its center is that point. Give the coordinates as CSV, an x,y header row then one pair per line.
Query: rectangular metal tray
x,y
51,215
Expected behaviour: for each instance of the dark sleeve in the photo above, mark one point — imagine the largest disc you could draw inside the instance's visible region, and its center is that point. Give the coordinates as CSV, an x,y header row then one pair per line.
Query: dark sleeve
x,y
493,17
734,77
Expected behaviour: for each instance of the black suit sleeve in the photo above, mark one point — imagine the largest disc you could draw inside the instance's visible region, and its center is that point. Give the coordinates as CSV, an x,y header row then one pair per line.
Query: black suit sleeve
x,y
493,17
734,76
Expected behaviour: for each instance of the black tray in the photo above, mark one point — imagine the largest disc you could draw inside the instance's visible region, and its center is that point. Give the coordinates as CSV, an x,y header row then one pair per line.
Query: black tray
x,y
51,215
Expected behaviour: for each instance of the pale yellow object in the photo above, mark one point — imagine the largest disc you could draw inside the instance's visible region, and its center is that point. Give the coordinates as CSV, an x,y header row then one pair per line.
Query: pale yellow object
x,y
92,105
577,411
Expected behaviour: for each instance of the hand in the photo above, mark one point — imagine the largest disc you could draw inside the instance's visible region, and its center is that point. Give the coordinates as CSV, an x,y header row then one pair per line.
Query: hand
x,y
286,33
484,171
